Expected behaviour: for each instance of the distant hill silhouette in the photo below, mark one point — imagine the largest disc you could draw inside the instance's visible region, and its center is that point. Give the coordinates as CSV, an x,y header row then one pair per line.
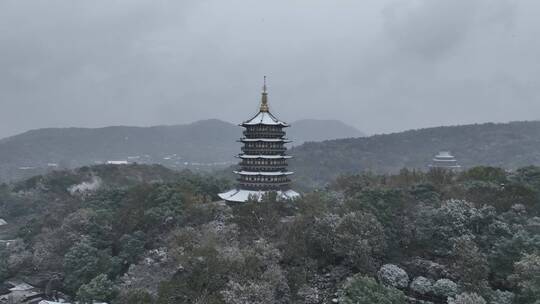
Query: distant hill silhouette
x,y
306,130
204,144
510,146
211,144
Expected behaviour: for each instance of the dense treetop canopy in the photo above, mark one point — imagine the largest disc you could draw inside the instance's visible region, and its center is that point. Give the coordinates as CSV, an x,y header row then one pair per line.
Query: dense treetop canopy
x,y
144,234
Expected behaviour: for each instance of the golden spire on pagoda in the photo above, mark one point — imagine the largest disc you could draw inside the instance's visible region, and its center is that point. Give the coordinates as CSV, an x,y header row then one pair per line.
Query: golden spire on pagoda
x,y
264,98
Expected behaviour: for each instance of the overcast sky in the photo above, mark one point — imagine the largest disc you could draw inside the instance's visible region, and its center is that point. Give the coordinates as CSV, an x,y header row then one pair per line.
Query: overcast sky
x,y
380,65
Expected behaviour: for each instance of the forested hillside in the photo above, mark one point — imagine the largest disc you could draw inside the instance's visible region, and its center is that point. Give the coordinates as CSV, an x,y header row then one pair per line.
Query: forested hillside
x,y
204,142
307,130
211,145
509,146
145,234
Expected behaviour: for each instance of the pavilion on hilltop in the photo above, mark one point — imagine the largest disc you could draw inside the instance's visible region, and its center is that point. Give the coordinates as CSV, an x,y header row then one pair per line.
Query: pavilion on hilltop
x,y
445,160
263,161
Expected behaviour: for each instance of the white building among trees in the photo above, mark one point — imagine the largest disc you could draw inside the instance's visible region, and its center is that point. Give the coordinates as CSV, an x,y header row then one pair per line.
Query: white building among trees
x,y
445,160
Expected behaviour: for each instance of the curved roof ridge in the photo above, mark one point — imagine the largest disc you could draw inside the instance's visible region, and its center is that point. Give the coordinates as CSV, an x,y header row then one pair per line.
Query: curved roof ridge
x,y
264,118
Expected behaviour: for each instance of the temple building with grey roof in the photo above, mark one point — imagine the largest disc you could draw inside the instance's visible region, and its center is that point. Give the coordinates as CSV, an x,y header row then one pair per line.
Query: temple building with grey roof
x,y
445,160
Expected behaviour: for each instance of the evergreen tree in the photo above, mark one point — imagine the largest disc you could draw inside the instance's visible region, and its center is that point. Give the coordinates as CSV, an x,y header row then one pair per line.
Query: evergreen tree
x,y
365,290
100,289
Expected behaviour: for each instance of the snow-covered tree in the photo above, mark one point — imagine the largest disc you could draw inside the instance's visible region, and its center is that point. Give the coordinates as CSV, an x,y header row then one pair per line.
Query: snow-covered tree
x,y
445,288
502,297
438,227
527,277
4,256
308,295
100,289
360,239
422,285
469,263
365,290
467,298
392,275
271,288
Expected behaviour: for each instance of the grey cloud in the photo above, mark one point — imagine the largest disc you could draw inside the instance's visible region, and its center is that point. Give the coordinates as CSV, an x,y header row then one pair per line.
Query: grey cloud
x,y
431,29
379,65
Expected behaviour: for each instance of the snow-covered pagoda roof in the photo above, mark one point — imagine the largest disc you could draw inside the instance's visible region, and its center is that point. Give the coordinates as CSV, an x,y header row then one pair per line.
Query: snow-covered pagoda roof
x,y
265,140
241,196
445,159
245,156
263,173
444,155
264,117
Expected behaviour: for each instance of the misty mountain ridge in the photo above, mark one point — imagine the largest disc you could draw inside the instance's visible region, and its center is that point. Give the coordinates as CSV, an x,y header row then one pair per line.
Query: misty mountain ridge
x,y
212,144
202,144
308,130
507,145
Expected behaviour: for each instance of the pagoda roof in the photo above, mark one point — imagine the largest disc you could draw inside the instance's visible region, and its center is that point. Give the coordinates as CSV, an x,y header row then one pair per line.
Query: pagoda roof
x,y
264,118
265,140
445,166
245,156
444,154
262,173
241,196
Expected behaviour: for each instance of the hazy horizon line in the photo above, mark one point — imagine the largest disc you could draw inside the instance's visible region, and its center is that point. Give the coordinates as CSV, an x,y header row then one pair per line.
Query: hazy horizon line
x,y
292,123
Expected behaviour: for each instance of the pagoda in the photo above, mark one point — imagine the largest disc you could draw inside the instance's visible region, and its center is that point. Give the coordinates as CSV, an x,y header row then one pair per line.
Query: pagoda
x,y
263,161
445,160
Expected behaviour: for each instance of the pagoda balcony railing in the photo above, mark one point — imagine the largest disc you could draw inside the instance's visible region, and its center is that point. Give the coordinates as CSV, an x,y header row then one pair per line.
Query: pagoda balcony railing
x,y
264,128
263,186
264,168
266,187
263,151
262,180
263,134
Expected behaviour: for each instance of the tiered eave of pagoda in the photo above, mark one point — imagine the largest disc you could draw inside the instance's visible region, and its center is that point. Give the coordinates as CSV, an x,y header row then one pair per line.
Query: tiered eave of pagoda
x,y
245,156
281,140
